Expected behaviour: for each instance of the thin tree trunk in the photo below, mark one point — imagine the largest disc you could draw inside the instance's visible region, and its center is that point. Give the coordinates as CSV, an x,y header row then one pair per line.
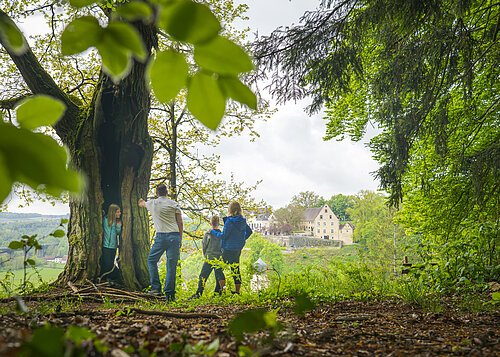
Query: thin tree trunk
x,y
173,155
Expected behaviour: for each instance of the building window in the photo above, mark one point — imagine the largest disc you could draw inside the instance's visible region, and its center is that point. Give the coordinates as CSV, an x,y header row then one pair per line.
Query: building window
x,y
331,231
326,211
324,230
331,223
330,216
318,230
319,223
320,216
324,223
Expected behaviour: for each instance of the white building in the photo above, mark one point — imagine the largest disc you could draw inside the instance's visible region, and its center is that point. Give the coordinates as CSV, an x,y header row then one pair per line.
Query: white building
x,y
319,222
262,223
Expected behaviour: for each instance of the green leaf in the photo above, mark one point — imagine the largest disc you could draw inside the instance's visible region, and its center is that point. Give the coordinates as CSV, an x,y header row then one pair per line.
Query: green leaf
x,y
79,334
495,296
127,37
63,221
244,351
168,73
135,10
116,60
302,304
233,88
81,3
32,240
81,34
39,110
222,56
5,180
271,318
30,262
37,160
58,233
213,347
100,346
16,245
247,321
46,341
190,22
205,100
12,36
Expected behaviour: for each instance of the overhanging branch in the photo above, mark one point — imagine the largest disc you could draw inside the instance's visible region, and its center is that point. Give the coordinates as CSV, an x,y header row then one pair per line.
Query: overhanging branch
x,y
12,102
39,81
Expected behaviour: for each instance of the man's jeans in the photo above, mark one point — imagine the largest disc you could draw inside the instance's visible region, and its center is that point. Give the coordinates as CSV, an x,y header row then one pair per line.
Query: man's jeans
x,y
169,242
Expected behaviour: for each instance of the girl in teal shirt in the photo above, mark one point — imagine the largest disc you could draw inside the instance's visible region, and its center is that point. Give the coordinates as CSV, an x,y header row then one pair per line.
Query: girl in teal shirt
x,y
111,227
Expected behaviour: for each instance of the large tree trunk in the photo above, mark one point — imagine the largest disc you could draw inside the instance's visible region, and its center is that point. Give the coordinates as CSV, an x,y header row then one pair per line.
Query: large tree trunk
x,y
115,151
109,143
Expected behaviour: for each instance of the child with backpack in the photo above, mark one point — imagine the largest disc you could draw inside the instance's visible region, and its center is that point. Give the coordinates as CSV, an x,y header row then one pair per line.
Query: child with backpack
x,y
212,252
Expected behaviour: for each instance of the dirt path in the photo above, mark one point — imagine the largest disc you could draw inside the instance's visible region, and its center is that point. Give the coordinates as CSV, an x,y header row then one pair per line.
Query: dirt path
x,y
336,329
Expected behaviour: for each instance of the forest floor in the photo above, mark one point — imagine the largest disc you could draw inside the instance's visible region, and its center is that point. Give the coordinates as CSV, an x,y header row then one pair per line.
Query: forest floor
x,y
347,328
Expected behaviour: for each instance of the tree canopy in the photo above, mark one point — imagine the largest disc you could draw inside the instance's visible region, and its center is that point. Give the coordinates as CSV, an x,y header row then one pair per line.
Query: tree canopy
x,y
418,70
425,73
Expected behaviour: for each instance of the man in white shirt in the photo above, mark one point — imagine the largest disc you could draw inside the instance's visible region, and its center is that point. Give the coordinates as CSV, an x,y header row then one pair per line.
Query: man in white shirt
x,y
167,220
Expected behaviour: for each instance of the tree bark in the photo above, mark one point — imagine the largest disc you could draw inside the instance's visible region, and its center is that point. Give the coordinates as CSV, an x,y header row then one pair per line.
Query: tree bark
x,y
173,154
109,143
116,155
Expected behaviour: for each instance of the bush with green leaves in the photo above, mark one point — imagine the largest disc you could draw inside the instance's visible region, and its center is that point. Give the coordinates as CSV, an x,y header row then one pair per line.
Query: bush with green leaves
x,y
30,243
269,252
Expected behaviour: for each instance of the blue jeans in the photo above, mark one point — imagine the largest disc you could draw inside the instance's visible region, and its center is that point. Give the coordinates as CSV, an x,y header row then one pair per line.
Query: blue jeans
x,y
171,243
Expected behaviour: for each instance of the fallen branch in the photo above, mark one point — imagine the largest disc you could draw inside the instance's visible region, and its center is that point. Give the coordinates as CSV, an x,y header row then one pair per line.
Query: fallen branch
x,y
90,292
72,287
103,294
181,315
347,318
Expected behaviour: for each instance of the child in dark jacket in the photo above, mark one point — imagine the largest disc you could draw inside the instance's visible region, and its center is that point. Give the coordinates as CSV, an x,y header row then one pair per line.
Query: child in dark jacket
x,y
212,252
234,235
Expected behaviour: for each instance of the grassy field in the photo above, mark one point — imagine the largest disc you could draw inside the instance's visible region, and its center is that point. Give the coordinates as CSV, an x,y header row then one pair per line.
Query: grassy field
x,y
14,278
306,256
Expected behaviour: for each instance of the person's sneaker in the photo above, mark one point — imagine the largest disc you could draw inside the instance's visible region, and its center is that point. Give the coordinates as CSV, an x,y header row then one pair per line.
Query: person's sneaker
x,y
154,293
194,296
170,298
235,293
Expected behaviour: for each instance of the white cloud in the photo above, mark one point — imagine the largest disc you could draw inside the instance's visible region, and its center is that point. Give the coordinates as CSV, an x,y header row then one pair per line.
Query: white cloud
x,y
265,16
36,207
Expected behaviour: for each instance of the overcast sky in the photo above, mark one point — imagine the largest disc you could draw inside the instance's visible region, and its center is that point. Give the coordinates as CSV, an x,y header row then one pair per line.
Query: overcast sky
x,y
290,155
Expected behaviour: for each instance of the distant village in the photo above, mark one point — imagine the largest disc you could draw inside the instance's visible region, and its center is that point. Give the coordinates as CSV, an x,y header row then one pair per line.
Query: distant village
x,y
318,223
311,227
